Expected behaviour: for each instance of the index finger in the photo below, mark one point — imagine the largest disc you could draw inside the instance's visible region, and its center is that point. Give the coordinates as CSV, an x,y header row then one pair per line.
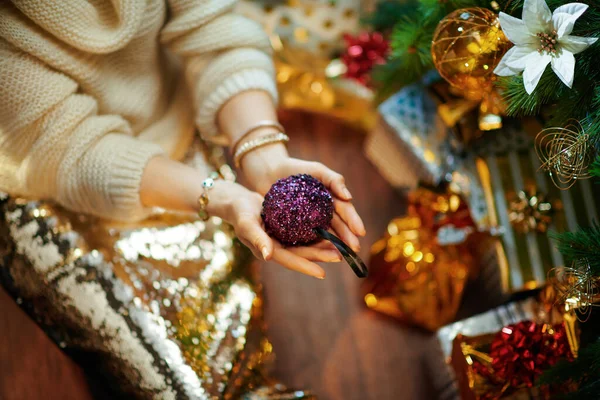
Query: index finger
x,y
348,214
334,181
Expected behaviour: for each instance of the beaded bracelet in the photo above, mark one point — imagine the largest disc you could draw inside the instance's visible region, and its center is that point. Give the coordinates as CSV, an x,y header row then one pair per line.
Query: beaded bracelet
x,y
254,144
203,200
255,127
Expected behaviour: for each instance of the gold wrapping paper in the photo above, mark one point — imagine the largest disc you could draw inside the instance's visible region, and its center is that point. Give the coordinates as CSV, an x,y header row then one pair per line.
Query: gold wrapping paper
x,y
166,305
306,36
415,279
309,83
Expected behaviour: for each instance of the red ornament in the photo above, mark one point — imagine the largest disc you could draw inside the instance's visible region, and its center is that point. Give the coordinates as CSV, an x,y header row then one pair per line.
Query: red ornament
x,y
522,352
363,52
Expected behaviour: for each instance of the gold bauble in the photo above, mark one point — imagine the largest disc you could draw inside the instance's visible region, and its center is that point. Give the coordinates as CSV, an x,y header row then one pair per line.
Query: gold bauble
x,y
467,45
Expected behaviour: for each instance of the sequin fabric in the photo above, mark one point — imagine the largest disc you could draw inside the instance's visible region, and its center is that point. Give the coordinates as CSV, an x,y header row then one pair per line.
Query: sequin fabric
x,y
294,206
165,305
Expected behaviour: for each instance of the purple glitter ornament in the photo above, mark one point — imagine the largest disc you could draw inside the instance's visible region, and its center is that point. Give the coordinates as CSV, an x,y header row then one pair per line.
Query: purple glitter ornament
x,y
294,207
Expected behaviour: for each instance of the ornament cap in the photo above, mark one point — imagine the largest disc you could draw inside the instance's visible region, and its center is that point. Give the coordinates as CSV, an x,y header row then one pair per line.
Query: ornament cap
x,y
353,260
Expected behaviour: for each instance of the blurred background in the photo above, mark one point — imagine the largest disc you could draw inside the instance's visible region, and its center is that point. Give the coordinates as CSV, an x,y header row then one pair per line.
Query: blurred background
x,y
459,185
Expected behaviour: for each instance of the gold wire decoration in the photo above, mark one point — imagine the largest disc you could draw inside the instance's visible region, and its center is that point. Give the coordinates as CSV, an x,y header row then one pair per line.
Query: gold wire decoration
x,y
577,288
565,153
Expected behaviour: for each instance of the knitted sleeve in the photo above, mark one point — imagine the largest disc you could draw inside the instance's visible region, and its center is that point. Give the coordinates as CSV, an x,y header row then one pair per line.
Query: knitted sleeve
x,y
53,143
225,54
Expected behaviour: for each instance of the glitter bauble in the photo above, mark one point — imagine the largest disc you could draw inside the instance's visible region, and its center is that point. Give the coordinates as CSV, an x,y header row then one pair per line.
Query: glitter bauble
x,y
467,45
294,207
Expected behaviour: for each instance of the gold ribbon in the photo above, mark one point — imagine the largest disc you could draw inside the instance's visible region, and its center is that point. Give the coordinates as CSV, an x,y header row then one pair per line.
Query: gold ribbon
x,y
314,83
468,115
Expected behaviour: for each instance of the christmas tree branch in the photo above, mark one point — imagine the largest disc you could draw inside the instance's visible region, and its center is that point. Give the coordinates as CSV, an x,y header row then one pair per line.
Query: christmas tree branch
x,y
585,371
581,247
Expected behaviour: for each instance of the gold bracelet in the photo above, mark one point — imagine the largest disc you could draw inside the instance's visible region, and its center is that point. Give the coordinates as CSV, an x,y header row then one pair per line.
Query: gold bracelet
x,y
255,127
207,185
254,144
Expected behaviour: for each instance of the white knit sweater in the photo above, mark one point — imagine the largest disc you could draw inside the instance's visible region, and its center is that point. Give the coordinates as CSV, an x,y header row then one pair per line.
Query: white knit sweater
x,y
90,90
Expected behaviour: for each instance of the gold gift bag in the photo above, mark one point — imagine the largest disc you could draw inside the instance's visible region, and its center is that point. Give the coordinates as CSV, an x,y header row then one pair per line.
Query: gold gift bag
x,y
165,305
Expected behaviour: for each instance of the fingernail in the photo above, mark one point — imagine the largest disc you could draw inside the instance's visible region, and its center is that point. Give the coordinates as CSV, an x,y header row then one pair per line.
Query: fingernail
x,y
347,193
319,277
265,253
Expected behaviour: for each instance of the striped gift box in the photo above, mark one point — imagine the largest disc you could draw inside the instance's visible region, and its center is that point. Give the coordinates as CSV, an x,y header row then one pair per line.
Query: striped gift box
x,y
506,164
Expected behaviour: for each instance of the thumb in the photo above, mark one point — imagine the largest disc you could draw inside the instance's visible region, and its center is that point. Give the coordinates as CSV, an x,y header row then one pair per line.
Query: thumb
x,y
253,233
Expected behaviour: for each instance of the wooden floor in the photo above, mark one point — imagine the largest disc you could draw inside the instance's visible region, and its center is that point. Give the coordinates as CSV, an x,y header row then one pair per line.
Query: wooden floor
x,y
323,336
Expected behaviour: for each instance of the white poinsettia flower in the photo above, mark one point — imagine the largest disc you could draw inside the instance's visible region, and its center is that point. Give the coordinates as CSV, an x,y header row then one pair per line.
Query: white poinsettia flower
x,y
542,38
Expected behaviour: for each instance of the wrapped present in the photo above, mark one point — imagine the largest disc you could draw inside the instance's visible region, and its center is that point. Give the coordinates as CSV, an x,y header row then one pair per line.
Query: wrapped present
x,y
507,364
411,143
419,269
500,354
499,176
488,323
306,38
523,204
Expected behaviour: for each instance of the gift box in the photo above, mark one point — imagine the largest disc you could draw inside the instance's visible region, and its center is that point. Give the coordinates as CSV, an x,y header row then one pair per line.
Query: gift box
x,y
488,322
473,386
501,353
411,143
305,36
523,205
499,175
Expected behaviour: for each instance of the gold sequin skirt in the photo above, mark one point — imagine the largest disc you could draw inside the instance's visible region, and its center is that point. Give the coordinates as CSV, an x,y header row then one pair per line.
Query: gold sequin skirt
x,y
166,305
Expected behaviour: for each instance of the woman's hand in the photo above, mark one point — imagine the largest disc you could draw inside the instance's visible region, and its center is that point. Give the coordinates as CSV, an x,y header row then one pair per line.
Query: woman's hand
x,y
173,185
241,208
264,166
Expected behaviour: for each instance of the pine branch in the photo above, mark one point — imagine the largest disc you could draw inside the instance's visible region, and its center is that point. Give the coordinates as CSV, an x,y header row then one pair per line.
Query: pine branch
x,y
584,370
520,103
581,247
387,14
595,167
410,56
436,9
394,75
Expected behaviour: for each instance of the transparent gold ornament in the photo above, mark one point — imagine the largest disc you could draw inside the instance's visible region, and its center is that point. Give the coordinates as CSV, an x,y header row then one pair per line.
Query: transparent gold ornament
x,y
467,45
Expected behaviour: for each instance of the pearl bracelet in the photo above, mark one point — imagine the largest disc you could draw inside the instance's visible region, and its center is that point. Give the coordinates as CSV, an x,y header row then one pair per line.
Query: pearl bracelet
x,y
254,144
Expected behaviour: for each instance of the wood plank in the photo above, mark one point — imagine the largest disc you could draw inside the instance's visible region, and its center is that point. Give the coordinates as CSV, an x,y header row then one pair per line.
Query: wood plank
x,y
323,336
32,367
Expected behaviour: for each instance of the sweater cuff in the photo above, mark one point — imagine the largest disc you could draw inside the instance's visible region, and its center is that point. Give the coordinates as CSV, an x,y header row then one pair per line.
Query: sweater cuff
x,y
249,79
122,159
